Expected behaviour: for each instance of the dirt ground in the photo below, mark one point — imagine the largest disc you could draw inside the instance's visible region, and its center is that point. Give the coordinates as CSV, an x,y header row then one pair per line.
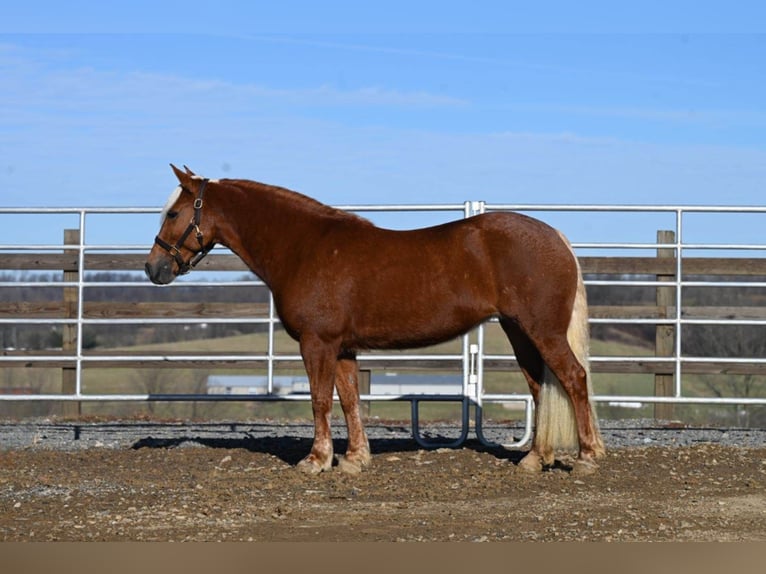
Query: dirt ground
x,y
242,492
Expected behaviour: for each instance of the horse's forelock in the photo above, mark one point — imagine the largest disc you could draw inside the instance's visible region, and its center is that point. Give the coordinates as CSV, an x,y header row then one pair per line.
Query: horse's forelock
x,y
175,194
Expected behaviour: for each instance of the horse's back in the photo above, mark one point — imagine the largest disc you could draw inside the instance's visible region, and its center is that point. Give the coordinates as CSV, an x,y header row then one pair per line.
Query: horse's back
x,y
476,257
496,247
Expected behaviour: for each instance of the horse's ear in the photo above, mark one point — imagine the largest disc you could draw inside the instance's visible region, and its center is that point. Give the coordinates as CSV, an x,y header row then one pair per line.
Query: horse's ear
x,y
188,171
183,178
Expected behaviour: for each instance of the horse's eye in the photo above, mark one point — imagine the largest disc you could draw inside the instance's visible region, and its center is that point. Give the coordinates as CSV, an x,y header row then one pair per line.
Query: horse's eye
x,y
172,214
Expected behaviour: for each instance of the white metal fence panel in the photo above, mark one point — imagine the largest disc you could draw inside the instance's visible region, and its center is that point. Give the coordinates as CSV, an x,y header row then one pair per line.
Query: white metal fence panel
x,y
594,230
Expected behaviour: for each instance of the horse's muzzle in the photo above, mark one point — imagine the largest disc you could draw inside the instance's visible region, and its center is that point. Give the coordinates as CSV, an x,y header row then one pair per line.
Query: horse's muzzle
x,y
160,273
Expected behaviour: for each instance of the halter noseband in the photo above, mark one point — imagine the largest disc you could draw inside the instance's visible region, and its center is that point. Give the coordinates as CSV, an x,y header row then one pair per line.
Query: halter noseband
x,y
185,267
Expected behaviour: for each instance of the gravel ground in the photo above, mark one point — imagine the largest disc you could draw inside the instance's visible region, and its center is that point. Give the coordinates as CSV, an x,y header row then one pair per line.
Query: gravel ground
x,y
75,435
162,481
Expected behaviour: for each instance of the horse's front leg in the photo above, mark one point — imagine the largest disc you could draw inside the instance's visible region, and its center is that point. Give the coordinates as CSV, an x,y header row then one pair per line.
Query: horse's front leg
x,y
320,360
347,384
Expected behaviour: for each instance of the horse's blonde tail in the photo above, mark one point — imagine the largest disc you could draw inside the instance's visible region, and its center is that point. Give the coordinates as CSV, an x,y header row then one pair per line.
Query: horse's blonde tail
x,y
556,421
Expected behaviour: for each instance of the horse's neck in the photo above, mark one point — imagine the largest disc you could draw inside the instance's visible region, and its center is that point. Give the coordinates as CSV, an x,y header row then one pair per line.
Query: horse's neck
x,y
264,229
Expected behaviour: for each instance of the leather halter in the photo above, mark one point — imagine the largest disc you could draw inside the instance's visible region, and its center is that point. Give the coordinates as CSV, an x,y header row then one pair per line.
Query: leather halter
x,y
185,267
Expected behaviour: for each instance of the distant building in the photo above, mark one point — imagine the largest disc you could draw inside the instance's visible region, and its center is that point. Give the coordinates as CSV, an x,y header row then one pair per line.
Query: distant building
x,y
380,384
255,385
415,384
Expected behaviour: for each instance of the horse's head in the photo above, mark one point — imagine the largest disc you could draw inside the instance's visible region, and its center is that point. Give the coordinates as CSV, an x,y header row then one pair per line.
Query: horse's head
x,y
187,231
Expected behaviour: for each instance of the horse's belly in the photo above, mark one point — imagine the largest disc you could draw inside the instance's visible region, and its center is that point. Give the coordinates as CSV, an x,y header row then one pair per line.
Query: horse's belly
x,y
409,327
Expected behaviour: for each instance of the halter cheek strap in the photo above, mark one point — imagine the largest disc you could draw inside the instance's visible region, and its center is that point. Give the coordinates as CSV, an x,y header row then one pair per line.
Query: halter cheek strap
x,y
185,267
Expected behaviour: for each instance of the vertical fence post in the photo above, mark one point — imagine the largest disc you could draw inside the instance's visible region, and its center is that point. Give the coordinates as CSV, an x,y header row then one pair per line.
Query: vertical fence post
x,y
69,331
365,376
665,334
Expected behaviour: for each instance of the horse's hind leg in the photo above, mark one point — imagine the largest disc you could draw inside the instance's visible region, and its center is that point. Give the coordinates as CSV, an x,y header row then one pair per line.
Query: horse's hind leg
x,y
532,367
347,384
561,421
529,359
560,359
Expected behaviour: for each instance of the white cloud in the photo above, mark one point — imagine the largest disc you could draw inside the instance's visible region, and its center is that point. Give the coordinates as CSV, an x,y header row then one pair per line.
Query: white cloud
x,y
31,86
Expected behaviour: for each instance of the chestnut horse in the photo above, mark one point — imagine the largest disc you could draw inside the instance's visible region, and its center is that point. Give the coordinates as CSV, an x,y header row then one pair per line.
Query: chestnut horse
x,y
340,284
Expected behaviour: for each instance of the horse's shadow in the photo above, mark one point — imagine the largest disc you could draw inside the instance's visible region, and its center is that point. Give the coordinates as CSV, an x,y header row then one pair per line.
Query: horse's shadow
x,y
292,449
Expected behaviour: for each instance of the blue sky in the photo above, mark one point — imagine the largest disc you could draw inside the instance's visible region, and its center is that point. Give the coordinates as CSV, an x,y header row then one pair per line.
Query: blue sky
x,y
392,102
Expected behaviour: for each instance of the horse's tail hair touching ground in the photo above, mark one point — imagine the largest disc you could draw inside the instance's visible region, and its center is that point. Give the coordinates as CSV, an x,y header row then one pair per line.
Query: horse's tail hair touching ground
x,y
556,422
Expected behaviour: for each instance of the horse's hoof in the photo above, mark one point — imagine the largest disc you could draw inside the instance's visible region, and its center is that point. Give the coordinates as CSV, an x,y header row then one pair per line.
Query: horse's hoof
x,y
310,466
531,463
352,465
584,467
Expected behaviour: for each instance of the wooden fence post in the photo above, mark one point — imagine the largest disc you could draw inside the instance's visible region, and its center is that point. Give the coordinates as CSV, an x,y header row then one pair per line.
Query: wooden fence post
x,y
665,334
69,331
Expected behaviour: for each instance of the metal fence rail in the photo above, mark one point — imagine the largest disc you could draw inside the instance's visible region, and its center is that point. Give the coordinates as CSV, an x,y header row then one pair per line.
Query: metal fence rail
x,y
472,358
